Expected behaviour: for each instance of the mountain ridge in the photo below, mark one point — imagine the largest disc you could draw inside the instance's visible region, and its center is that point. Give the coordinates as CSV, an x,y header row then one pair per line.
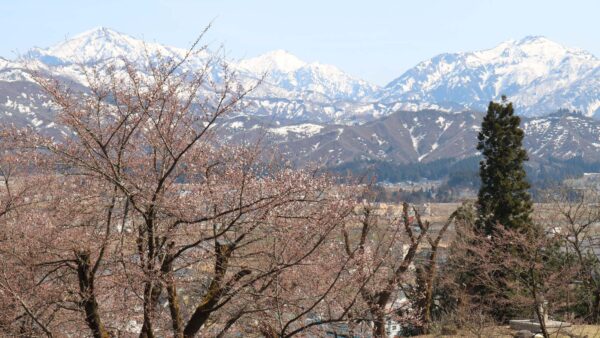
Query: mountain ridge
x,y
538,74
317,113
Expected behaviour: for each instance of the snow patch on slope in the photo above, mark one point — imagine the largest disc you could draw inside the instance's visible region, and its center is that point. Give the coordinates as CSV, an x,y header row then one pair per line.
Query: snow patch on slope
x,y
306,129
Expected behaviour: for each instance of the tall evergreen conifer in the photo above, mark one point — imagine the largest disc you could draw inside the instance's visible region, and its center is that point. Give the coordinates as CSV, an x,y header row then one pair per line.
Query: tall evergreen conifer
x,y
503,197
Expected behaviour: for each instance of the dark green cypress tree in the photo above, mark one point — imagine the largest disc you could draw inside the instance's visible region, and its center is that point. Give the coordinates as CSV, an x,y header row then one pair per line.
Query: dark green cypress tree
x,y
503,196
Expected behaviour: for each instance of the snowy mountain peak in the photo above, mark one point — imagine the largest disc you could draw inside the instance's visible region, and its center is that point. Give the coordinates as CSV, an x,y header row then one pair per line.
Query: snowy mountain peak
x,y
98,44
534,39
537,48
99,32
536,73
287,75
541,46
275,61
319,81
540,42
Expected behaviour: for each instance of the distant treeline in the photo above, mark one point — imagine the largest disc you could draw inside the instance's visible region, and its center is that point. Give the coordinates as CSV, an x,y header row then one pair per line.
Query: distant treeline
x,y
465,172
555,170
393,172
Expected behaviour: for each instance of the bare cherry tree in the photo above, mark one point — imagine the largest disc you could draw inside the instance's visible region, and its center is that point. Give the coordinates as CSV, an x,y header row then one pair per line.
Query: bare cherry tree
x,y
574,215
511,268
427,273
148,225
383,248
21,193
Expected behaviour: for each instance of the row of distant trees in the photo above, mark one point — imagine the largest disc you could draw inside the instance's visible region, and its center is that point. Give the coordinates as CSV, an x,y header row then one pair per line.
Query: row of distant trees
x,y
139,223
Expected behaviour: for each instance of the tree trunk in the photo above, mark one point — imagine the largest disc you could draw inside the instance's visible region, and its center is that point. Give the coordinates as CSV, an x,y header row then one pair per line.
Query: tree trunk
x,y
151,293
429,272
539,309
379,325
213,295
174,309
542,321
86,289
596,306
427,298
177,321
377,310
267,330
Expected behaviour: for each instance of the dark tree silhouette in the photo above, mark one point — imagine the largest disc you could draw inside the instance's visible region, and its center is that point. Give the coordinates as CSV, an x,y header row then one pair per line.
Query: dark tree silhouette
x,y
503,196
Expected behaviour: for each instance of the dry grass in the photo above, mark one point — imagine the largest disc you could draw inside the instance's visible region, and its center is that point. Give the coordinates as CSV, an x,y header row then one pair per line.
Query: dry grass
x,y
589,331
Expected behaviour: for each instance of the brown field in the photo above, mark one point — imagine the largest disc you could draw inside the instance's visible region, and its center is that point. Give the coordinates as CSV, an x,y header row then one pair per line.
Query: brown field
x,y
438,213
589,331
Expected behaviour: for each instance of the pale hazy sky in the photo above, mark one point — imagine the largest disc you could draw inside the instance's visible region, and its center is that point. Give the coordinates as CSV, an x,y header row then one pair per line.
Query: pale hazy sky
x,y
376,40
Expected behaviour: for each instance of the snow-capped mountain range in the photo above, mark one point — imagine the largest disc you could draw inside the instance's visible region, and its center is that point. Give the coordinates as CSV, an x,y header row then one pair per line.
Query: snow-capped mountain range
x,y
100,44
296,76
537,74
317,112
